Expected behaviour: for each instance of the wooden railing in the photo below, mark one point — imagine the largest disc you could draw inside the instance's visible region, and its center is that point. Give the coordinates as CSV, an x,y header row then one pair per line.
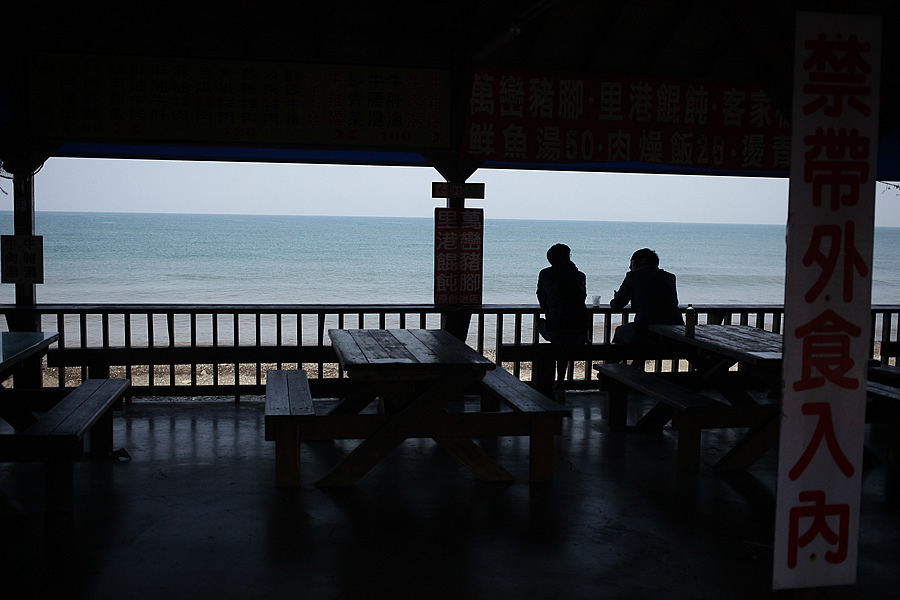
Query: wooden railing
x,y
197,350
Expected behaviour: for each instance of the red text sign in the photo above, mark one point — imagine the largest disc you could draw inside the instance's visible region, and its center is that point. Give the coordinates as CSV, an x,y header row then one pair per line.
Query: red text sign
x,y
458,255
827,299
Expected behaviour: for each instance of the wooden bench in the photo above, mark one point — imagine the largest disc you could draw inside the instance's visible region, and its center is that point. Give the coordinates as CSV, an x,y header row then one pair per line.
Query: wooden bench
x,y
883,408
543,357
883,404
885,374
288,404
690,412
542,415
57,437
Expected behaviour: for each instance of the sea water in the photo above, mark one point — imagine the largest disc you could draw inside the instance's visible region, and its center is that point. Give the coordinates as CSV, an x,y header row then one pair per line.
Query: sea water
x,y
255,259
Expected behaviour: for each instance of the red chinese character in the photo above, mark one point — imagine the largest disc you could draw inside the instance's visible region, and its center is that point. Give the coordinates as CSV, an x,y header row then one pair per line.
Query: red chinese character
x,y
836,161
818,512
826,348
824,430
837,70
853,260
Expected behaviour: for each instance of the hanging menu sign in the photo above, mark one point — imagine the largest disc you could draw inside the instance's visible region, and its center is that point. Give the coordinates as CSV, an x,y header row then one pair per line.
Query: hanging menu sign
x,y
458,256
22,258
553,119
146,99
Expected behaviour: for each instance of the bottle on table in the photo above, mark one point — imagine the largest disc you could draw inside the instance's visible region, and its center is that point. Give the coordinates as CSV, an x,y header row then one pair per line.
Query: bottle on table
x,y
690,320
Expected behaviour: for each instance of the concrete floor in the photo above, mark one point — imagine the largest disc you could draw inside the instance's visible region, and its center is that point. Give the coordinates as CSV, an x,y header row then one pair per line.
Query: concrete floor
x,y
196,514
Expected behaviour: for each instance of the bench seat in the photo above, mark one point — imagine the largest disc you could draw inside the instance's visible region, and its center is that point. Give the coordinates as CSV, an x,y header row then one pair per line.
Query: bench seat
x,y
690,412
57,437
542,415
884,403
288,403
886,374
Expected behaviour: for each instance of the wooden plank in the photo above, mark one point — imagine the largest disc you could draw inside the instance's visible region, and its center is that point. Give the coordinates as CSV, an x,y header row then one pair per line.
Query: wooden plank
x,y
657,387
450,349
474,458
299,396
881,391
585,352
378,345
288,403
98,403
470,424
422,350
751,447
277,393
348,351
886,374
519,395
78,411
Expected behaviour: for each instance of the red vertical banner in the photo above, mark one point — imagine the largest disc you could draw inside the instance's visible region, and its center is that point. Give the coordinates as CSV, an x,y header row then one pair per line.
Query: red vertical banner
x,y
828,294
458,256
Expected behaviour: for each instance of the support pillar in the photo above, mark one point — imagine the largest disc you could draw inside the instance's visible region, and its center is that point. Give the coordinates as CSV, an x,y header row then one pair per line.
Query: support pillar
x,y
25,318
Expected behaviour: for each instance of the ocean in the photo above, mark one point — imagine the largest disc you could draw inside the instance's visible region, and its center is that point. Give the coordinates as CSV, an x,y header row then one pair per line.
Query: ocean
x,y
226,259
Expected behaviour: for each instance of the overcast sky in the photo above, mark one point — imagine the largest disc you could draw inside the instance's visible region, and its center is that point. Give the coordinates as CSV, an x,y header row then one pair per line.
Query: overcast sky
x,y
241,188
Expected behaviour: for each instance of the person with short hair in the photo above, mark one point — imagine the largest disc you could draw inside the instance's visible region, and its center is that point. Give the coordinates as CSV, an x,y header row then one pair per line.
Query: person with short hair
x,y
561,292
653,296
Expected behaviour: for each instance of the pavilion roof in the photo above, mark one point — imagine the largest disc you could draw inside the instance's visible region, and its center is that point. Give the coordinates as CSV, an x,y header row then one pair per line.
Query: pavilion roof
x,y
744,44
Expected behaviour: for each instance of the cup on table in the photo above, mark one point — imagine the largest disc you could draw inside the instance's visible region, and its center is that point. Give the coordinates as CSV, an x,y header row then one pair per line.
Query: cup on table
x,y
596,300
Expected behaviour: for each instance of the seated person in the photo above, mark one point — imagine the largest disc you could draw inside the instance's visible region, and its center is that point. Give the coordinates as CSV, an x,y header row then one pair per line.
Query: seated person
x,y
561,292
652,294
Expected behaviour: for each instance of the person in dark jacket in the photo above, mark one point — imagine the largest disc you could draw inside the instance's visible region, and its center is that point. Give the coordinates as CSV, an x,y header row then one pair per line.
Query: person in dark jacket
x,y
561,292
652,294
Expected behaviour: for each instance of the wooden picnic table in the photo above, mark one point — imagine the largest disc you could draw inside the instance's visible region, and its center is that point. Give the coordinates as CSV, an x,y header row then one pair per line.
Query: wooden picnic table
x,y
719,347
416,372
17,347
758,353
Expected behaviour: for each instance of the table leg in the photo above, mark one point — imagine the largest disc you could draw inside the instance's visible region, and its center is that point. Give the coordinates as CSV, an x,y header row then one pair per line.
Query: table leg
x,y
475,459
421,410
752,446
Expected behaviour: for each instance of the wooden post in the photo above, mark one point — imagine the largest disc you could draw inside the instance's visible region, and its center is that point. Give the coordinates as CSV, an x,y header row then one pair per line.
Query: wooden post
x,y
26,293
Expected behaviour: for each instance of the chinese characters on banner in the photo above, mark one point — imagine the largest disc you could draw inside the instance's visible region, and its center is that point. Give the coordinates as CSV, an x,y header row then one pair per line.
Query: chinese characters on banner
x,y
23,258
828,289
109,98
559,119
458,255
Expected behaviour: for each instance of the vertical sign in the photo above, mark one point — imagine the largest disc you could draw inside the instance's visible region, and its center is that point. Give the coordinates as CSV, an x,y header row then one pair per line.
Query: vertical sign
x,y
828,285
458,255
22,258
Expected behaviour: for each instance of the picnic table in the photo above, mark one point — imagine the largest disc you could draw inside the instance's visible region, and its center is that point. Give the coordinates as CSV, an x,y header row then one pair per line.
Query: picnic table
x,y
17,347
717,348
416,374
711,396
55,437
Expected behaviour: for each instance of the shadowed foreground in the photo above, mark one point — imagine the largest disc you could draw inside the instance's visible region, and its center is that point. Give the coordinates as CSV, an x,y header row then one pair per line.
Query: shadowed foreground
x,y
196,514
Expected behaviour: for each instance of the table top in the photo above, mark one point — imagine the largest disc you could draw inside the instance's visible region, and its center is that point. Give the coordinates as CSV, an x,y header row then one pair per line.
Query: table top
x,y
741,342
410,353
16,346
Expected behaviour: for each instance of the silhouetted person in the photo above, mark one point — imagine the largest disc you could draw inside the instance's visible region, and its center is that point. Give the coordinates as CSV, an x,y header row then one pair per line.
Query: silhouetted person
x,y
561,292
653,297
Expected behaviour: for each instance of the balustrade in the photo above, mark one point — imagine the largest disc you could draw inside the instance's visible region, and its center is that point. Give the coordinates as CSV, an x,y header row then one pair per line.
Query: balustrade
x,y
190,350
